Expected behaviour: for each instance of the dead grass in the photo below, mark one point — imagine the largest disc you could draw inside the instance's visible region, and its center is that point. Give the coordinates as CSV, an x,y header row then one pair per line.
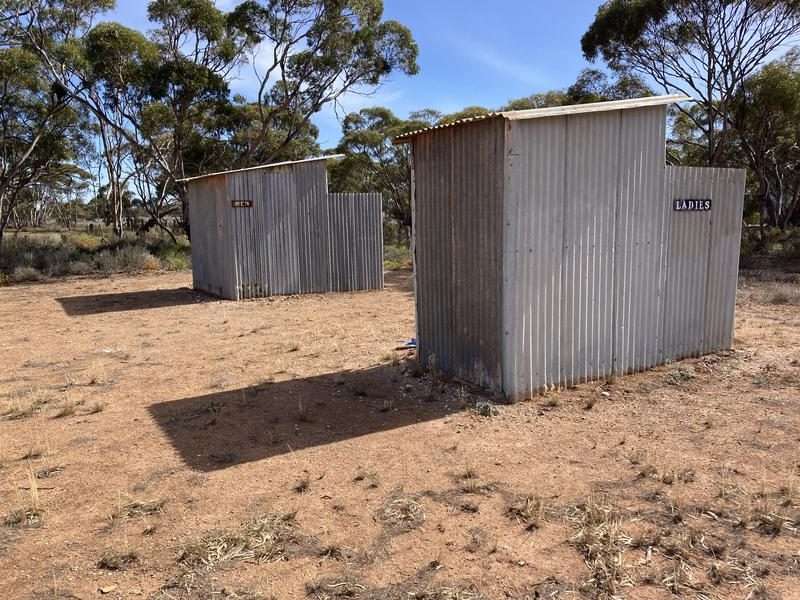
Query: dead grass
x,y
118,561
48,472
302,485
26,518
201,586
137,509
401,513
94,408
335,588
479,540
528,511
602,541
34,453
67,409
469,482
347,586
684,527
268,538
24,405
781,294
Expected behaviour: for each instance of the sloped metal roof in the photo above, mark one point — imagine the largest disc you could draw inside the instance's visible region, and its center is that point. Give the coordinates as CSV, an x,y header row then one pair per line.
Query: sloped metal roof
x,y
555,111
268,166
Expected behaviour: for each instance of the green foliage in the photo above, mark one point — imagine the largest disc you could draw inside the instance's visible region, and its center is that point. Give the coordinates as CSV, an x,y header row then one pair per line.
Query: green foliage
x,y
374,163
466,113
775,242
621,24
35,257
705,49
590,86
120,57
766,117
318,51
396,257
39,135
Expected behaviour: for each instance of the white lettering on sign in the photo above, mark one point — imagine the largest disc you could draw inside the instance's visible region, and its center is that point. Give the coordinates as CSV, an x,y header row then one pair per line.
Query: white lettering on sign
x,y
691,204
242,203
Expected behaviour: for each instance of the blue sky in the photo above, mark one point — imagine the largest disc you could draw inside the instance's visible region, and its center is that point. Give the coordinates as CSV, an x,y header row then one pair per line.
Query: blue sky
x,y
470,53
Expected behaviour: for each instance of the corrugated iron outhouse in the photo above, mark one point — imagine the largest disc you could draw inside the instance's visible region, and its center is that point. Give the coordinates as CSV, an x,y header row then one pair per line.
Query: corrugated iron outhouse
x,y
276,229
554,246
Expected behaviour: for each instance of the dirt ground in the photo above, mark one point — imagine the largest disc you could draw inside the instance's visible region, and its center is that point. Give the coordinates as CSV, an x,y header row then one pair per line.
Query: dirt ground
x,y
157,443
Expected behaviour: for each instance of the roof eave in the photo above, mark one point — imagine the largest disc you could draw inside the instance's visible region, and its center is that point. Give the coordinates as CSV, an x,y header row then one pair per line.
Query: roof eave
x,y
259,167
556,111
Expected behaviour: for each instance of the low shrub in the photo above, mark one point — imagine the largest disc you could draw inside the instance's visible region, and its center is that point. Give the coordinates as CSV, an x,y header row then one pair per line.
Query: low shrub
x,y
80,267
23,274
33,257
85,242
396,258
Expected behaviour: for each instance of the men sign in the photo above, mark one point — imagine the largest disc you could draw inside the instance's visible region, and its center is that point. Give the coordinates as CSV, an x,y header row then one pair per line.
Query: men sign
x,y
691,204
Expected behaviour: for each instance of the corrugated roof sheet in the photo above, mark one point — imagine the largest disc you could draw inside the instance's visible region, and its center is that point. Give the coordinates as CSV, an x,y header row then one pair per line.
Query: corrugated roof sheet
x,y
555,111
268,166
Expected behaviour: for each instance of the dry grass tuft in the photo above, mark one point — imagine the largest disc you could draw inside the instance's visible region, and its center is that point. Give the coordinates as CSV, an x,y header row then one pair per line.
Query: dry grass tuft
x,y
21,406
528,511
302,485
67,409
338,588
33,453
95,407
401,513
602,541
268,538
551,402
335,588
200,586
678,377
779,294
28,518
115,561
479,540
469,482
137,509
48,472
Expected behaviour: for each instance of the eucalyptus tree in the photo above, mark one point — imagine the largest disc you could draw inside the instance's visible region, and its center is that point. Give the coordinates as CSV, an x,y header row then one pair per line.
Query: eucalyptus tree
x,y
705,49
310,54
39,132
766,118
374,163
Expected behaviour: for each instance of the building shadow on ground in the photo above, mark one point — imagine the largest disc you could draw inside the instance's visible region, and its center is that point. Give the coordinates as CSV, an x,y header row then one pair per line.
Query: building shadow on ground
x,y
79,306
218,430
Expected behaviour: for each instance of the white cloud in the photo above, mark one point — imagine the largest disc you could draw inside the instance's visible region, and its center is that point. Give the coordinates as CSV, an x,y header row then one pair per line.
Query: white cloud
x,y
501,63
226,4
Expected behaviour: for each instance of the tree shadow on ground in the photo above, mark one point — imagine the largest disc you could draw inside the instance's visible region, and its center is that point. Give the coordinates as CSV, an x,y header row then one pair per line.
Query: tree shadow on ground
x,y
219,430
79,306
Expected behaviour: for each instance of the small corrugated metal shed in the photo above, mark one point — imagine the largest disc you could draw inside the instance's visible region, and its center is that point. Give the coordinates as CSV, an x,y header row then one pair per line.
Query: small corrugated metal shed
x,y
275,229
554,246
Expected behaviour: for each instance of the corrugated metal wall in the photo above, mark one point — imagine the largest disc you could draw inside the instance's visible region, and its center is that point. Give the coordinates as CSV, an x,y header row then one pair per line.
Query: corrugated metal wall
x,y
638,241
285,239
702,261
597,276
356,242
207,199
582,252
458,182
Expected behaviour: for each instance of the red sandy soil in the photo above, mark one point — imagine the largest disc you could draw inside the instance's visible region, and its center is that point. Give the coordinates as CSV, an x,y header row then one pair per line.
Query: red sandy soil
x,y
283,449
